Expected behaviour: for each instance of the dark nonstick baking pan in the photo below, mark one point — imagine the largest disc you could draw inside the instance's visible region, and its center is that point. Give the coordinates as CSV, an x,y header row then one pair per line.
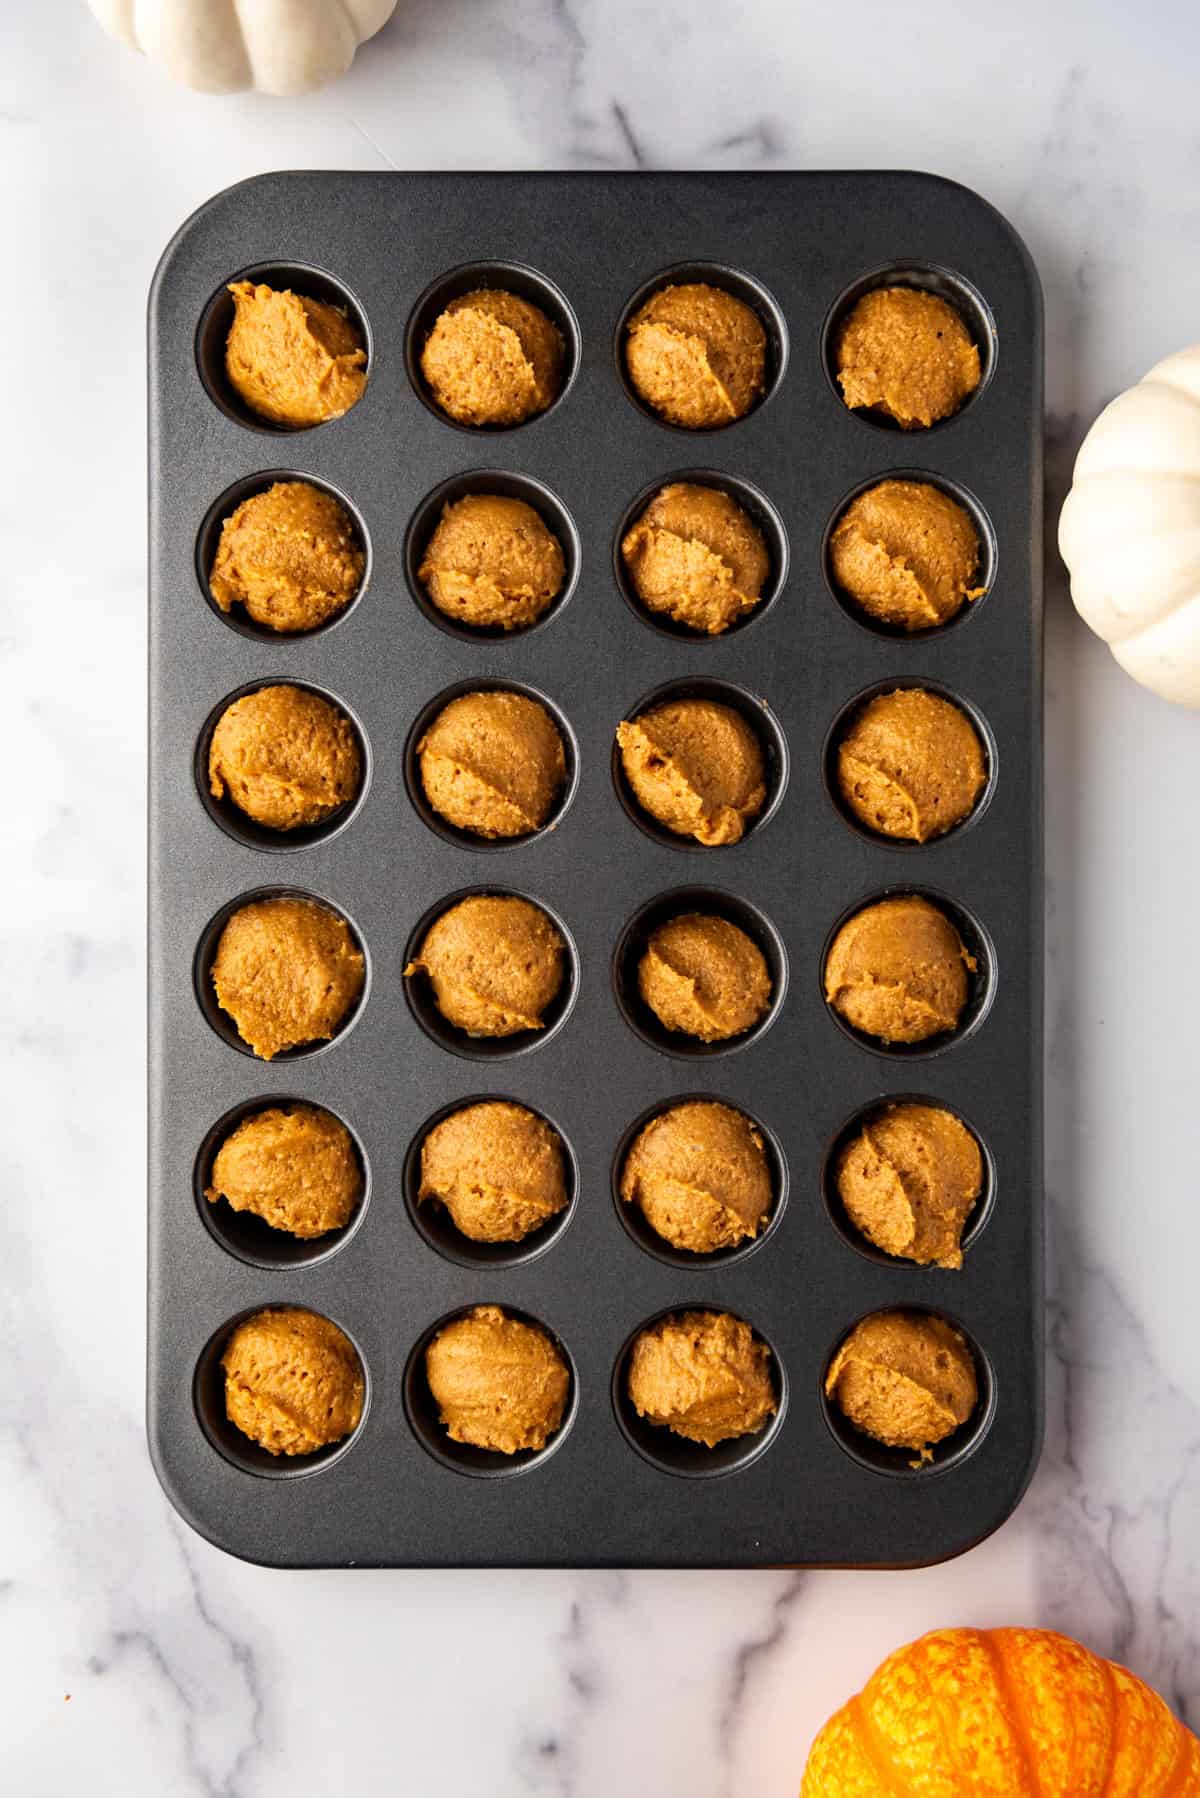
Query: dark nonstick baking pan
x,y
610,1489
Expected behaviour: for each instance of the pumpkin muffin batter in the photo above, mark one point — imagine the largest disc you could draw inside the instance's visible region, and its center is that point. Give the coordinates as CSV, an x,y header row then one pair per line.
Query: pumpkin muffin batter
x,y
285,756
907,554
911,765
696,555
909,1181
898,969
293,1382
495,962
699,1174
703,976
288,972
292,1165
697,355
497,1168
906,353
293,360
695,766
492,563
492,358
493,764
704,1375
290,556
904,1378
498,1382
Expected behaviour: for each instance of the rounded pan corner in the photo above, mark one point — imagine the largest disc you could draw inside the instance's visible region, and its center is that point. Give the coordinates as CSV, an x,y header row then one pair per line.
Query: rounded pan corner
x,y
173,1493
1007,1494
182,235
188,1514
993,215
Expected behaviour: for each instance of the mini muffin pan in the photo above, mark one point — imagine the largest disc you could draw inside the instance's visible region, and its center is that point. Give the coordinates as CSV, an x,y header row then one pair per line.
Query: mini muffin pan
x,y
609,1489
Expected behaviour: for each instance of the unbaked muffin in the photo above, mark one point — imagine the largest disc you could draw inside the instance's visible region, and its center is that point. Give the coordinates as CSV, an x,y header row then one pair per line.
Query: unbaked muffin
x,y
293,360
698,1173
910,765
909,1179
285,757
493,763
493,358
906,1379
898,970
499,1383
696,556
907,555
704,1375
906,353
293,1382
288,971
290,556
492,563
495,964
704,977
697,767
498,1169
697,355
294,1166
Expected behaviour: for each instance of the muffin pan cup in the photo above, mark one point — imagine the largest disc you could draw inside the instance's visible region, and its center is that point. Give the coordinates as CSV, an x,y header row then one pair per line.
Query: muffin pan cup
x,y
593,1498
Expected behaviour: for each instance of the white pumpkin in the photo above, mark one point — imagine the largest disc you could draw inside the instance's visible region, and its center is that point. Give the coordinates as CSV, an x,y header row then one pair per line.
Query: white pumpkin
x,y
221,46
1130,529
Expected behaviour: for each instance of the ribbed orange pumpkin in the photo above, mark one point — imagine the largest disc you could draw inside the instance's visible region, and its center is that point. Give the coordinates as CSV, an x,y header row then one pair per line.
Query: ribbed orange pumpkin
x,y
1002,1713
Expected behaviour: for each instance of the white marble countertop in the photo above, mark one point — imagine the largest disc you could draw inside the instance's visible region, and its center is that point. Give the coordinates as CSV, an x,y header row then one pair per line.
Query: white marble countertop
x,y
133,1657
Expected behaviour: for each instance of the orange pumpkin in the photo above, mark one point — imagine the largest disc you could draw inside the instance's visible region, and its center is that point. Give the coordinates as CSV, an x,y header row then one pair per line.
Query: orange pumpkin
x,y
1002,1713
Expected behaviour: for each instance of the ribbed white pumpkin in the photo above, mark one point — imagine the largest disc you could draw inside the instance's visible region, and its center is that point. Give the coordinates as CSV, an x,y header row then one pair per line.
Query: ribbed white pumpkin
x,y
1130,528
221,46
